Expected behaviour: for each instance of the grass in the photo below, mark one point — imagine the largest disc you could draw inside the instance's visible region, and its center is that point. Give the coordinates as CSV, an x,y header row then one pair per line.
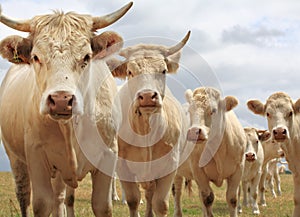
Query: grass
x,y
277,207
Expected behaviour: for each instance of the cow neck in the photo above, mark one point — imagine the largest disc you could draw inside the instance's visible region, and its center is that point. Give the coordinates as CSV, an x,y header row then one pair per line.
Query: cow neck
x,y
70,175
140,123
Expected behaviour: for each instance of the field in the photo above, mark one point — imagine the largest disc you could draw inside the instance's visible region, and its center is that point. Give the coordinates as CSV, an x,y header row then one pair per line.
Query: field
x,y
277,207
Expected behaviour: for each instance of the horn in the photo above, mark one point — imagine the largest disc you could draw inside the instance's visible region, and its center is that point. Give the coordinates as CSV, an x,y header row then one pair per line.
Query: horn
x,y
23,25
178,46
103,21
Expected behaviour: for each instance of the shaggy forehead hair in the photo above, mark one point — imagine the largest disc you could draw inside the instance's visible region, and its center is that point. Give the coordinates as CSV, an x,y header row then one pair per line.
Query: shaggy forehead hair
x,y
284,99
204,95
60,31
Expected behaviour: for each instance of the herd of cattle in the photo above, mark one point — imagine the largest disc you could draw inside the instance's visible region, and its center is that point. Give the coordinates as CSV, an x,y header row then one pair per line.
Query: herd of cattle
x,y
61,86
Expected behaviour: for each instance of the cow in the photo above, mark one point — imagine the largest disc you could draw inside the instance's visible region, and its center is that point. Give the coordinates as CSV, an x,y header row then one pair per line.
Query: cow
x,y
58,84
254,157
283,118
220,144
273,175
272,150
152,127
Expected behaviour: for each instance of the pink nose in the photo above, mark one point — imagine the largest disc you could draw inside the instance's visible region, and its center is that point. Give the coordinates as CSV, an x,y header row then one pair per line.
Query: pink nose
x,y
147,98
280,133
60,103
250,156
195,134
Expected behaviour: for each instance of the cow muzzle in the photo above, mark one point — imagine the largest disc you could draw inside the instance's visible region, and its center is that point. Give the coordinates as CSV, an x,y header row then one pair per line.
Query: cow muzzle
x,y
148,101
250,156
60,105
280,134
196,134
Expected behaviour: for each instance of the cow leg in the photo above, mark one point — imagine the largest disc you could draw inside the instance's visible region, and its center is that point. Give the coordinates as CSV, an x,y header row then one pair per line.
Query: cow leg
x,y
277,181
262,188
69,201
253,194
270,181
296,179
42,193
240,210
133,197
114,193
177,195
101,194
161,195
149,195
232,192
23,190
245,193
59,190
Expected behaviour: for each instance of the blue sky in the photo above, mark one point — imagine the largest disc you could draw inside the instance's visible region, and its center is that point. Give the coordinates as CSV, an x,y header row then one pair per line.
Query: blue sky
x,y
250,48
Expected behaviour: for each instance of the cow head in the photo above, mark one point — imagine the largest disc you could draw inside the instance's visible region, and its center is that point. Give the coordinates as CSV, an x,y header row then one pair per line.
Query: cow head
x,y
253,145
145,67
280,112
59,49
205,104
271,148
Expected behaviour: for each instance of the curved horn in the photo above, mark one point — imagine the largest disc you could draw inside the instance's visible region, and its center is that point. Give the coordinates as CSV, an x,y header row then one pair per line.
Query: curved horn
x,y
23,26
178,46
103,21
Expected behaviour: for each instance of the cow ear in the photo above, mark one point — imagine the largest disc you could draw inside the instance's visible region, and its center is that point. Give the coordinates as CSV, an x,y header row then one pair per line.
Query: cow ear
x,y
297,106
189,96
172,62
230,102
106,44
263,135
256,107
117,67
16,49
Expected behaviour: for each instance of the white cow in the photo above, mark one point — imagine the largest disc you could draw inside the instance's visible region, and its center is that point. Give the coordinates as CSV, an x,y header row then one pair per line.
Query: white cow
x,y
272,150
58,83
284,124
152,130
273,175
220,144
254,157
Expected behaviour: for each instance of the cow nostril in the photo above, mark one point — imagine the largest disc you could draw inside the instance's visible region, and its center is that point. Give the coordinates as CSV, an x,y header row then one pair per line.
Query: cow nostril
x,y
154,95
284,132
141,97
52,102
274,132
199,131
70,103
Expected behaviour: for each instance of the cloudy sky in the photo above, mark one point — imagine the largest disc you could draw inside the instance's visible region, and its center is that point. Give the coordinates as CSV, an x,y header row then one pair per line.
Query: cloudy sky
x,y
248,49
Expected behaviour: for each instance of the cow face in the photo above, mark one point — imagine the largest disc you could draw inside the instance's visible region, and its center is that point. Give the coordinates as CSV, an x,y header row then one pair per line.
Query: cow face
x,y
145,68
271,148
59,49
205,107
280,112
253,145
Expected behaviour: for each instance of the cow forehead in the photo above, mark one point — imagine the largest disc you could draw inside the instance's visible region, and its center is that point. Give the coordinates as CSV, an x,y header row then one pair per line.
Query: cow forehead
x,y
61,33
279,102
146,64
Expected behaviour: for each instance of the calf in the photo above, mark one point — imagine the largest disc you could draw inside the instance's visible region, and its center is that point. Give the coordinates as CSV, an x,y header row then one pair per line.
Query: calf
x,y
284,124
254,156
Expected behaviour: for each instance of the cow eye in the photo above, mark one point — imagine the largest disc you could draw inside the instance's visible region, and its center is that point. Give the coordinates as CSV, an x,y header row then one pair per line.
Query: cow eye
x,y
164,71
130,74
290,114
213,111
86,60
35,58
268,114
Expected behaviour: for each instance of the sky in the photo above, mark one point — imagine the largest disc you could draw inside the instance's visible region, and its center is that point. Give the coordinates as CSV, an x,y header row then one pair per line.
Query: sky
x,y
248,49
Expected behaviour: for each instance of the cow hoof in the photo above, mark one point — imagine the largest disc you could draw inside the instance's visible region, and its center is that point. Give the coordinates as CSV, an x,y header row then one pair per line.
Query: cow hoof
x,y
256,212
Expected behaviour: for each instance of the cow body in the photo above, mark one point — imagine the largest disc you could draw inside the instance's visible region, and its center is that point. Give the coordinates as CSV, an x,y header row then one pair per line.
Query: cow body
x,y
152,129
254,157
219,142
283,123
48,87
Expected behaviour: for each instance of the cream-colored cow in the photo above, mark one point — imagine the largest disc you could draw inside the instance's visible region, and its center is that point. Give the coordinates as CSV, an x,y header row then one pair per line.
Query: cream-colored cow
x,y
151,134
220,144
283,118
272,150
254,157
57,83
